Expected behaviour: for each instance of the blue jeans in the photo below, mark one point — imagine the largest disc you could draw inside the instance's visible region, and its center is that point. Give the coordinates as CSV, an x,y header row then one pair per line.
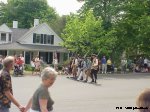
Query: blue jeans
x,y
4,110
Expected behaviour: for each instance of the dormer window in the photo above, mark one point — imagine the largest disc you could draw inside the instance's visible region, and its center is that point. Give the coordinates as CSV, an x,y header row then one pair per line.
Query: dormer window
x,y
43,38
3,37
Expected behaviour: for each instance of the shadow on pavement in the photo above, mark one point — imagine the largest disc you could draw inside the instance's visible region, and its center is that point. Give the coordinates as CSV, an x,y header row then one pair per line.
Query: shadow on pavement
x,y
124,76
94,84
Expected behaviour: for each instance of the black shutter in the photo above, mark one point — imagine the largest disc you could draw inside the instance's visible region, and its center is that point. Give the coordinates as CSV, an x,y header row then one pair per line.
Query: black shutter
x,y
42,38
34,37
45,38
52,39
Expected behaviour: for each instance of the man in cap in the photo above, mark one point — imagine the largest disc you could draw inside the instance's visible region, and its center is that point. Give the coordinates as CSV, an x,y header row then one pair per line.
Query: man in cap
x,y
94,68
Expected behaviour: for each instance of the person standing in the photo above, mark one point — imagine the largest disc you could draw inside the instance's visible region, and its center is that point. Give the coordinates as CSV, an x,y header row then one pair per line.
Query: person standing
x,y
55,62
74,67
140,62
79,66
42,63
6,92
109,65
104,65
88,70
123,65
41,100
37,65
94,68
83,68
23,62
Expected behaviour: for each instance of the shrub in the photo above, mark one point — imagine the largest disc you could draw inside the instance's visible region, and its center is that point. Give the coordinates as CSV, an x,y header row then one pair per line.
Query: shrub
x,y
65,63
60,66
51,65
28,67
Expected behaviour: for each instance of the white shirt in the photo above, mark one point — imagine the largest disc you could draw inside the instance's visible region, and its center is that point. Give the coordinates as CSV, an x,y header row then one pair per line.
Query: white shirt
x,y
76,62
32,64
55,61
145,61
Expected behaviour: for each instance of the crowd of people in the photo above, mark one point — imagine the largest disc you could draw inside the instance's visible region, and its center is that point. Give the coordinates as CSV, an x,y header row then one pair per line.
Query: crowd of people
x,y
142,65
41,99
37,64
138,65
19,63
81,68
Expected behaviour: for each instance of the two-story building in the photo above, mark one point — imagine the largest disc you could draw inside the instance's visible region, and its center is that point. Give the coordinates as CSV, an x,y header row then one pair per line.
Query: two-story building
x,y
40,40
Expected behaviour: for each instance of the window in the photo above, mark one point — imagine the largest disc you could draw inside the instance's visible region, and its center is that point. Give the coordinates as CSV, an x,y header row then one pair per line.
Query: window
x,y
48,39
9,38
36,38
3,36
43,38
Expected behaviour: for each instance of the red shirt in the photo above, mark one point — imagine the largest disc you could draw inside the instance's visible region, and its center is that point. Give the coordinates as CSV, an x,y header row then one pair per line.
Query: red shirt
x,y
19,61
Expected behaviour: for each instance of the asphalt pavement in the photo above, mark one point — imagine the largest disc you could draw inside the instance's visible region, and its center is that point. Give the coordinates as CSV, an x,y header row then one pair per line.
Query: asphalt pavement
x,y
112,91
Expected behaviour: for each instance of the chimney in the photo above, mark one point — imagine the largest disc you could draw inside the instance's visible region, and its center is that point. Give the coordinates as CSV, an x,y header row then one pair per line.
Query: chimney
x,y
15,24
36,22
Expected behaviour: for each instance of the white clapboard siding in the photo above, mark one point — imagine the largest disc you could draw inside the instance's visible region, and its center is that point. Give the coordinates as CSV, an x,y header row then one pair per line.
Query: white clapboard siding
x,y
40,29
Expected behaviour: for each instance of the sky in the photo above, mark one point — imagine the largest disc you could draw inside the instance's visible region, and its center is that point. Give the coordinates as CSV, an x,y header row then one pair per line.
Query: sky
x,y
63,7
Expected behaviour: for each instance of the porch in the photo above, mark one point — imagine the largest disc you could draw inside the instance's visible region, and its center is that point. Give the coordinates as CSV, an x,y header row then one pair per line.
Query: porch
x,y
30,51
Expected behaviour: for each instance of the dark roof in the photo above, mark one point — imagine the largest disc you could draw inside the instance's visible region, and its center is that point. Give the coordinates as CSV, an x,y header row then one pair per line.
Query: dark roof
x,y
18,33
30,47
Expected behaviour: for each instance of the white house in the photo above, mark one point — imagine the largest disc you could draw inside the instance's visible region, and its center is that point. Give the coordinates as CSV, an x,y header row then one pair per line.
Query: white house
x,y
40,40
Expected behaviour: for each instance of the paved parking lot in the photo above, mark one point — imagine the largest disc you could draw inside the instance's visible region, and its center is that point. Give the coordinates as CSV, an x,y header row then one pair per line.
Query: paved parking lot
x,y
113,90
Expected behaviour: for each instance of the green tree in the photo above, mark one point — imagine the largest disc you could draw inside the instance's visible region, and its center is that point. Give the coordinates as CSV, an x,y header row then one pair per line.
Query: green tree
x,y
108,10
25,11
84,34
126,25
133,28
